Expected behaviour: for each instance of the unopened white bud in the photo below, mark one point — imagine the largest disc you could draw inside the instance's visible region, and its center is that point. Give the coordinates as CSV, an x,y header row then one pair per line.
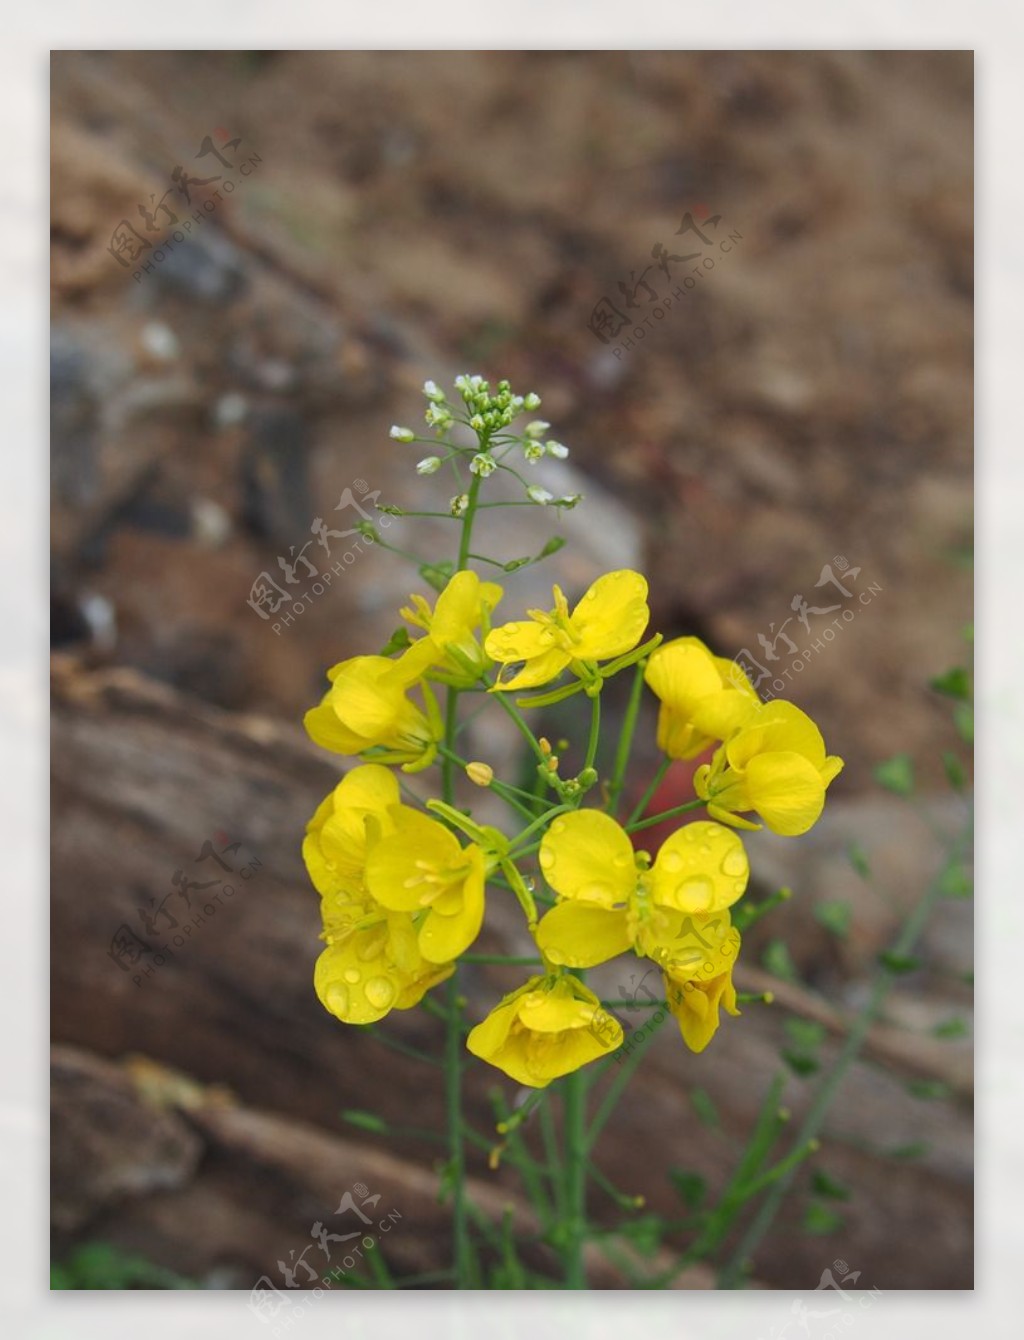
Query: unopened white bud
x,y
429,465
536,429
401,434
557,450
432,391
531,401
538,495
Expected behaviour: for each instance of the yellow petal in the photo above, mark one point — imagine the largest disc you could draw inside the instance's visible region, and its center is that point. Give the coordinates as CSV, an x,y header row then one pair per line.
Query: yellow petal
x,y
587,855
702,867
540,670
398,870
787,792
579,936
612,616
325,729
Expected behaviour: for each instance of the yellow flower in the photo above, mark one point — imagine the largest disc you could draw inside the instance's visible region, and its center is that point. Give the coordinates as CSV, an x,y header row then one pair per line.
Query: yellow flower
x,y
695,997
334,848
609,621
422,867
703,697
775,765
611,903
549,1027
367,707
367,971
451,648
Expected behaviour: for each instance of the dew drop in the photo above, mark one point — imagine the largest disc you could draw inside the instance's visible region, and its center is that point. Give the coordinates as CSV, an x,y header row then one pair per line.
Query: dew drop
x,y
597,891
379,992
739,886
734,863
672,862
697,892
547,858
351,976
337,998
558,826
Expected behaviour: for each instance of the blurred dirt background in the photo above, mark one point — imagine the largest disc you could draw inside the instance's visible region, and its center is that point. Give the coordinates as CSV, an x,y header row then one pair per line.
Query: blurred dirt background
x,y
808,402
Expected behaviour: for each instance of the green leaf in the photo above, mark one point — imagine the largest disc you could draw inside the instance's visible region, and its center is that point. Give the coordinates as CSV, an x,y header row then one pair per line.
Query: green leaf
x,y
805,1033
963,719
954,683
820,1219
916,1150
366,1121
691,1187
779,962
437,575
956,880
896,774
398,641
955,772
826,1185
835,917
951,1028
898,962
800,1064
705,1109
859,860
928,1088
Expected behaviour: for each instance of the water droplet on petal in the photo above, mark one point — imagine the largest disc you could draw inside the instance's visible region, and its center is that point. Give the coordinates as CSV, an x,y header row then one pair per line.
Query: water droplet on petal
x,y
734,863
337,998
739,886
558,826
696,892
379,992
547,858
351,976
672,862
597,891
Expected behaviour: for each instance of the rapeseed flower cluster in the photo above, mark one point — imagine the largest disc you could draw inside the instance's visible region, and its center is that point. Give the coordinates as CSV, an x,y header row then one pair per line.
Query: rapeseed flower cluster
x,y
403,898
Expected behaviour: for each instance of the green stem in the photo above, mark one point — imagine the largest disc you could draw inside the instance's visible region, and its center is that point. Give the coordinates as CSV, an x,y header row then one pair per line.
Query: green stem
x,y
595,731
648,795
665,814
505,960
574,1094
453,1022
625,740
816,1114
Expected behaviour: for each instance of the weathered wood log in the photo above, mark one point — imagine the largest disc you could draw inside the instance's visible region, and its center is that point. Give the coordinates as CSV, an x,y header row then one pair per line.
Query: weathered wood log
x,y
143,777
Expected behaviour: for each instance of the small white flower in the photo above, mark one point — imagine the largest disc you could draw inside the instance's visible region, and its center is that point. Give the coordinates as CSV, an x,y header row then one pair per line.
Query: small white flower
x,y
557,450
538,495
438,418
483,464
432,391
459,504
477,423
401,434
533,451
531,401
429,465
536,429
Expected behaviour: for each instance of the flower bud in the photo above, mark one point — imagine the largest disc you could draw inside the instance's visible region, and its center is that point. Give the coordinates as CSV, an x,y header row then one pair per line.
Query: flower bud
x,y
531,401
459,504
557,450
483,464
480,774
429,465
401,434
538,495
537,428
433,392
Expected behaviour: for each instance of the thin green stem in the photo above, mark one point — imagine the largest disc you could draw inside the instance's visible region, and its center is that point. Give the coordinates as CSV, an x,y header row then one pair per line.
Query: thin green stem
x,y
574,1094
504,960
648,795
665,814
625,740
829,1085
595,731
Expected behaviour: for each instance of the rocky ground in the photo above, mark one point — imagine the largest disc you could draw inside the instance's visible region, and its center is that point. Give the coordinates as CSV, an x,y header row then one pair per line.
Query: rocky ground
x,y
806,403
